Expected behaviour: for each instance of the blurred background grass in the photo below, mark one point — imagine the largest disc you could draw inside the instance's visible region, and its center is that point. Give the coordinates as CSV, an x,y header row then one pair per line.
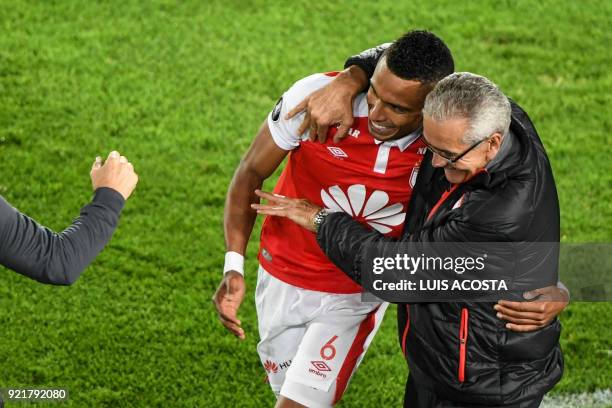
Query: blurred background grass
x,y
181,88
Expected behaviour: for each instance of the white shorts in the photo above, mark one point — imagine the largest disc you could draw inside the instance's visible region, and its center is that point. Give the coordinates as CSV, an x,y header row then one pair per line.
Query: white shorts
x,y
312,342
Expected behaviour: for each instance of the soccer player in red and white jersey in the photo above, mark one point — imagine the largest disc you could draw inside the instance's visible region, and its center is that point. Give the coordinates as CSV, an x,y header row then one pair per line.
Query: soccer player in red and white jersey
x,y
313,327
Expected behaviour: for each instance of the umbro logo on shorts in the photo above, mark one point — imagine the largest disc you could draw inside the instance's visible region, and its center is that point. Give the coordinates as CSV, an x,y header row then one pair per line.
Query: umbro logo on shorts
x,y
320,365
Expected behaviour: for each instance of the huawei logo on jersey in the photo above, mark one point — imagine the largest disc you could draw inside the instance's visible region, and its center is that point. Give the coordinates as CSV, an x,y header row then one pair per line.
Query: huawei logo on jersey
x,y
374,211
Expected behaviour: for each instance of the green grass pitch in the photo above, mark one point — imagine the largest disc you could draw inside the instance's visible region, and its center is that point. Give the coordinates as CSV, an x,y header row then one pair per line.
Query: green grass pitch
x,y
181,88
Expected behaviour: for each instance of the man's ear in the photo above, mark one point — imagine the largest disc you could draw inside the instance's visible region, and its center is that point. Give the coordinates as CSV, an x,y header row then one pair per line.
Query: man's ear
x,y
494,145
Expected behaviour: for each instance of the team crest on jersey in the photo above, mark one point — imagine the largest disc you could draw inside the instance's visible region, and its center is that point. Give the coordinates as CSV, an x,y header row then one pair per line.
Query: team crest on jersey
x,y
277,110
374,211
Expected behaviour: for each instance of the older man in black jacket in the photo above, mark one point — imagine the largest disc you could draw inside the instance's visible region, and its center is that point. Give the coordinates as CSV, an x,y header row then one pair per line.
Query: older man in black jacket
x,y
497,187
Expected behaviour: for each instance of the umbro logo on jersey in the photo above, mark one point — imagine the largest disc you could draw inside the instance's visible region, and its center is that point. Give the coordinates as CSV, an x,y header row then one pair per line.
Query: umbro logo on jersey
x,y
422,150
337,152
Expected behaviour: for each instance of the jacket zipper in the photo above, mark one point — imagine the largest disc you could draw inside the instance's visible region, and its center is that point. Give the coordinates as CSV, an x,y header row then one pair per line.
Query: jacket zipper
x,y
447,194
405,335
442,199
463,335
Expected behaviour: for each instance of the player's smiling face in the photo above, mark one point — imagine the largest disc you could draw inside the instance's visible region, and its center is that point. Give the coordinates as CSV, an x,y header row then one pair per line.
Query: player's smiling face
x,y
394,104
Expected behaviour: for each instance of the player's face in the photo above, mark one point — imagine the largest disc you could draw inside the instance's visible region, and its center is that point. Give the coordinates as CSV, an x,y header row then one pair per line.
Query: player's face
x,y
445,140
394,104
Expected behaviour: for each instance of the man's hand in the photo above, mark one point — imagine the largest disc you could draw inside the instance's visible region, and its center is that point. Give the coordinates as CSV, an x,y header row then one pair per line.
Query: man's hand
x,y
227,300
331,105
300,211
547,303
117,173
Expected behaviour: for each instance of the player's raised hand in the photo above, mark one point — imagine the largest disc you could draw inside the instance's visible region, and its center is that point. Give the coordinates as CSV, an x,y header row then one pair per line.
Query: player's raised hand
x,y
227,300
300,211
116,173
331,105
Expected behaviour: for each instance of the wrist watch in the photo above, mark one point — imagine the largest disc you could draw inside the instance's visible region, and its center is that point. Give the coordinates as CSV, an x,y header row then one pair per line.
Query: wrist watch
x,y
319,217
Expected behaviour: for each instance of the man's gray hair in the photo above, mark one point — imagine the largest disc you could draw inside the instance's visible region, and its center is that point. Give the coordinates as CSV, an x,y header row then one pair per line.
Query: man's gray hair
x,y
470,96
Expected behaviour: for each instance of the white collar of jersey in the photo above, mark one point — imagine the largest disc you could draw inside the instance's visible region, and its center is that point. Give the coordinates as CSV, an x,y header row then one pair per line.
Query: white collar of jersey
x,y
404,142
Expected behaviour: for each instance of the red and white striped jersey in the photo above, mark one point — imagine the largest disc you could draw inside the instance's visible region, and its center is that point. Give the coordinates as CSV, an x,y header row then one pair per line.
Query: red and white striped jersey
x,y
368,179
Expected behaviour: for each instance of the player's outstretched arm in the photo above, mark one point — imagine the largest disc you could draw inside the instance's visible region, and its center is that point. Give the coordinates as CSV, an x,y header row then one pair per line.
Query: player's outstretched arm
x,y
59,258
261,160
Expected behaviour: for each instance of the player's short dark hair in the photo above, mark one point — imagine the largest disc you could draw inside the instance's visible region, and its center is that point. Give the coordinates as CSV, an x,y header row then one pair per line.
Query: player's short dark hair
x,y
420,56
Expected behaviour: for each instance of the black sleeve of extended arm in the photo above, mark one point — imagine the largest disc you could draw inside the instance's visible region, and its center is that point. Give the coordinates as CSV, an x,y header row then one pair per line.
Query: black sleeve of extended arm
x,y
367,60
58,258
525,266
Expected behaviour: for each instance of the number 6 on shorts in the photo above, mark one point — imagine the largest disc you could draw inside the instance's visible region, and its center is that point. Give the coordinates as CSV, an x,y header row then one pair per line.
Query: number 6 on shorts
x,y
328,347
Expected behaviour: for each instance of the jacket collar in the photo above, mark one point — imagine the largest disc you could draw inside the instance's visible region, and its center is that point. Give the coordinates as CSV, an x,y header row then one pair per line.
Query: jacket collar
x,y
511,160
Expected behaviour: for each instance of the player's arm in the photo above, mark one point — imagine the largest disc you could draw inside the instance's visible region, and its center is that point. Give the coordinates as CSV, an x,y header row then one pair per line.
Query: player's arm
x,y
345,243
367,60
332,105
261,160
59,258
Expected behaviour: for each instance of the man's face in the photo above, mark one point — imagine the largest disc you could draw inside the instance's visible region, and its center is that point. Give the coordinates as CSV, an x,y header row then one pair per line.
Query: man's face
x,y
445,140
394,104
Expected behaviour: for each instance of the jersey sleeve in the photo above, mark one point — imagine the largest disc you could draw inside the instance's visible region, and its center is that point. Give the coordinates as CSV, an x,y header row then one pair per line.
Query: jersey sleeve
x,y
285,132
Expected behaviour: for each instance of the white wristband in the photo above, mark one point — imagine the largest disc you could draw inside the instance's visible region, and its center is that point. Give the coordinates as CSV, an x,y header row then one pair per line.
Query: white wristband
x,y
233,262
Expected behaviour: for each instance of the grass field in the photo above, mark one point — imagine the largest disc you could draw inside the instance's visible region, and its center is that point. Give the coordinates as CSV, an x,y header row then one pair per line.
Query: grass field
x,y
181,89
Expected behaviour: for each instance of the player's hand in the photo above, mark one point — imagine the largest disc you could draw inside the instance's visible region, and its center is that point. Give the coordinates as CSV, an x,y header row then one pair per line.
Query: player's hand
x,y
331,105
547,303
300,211
116,173
227,300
